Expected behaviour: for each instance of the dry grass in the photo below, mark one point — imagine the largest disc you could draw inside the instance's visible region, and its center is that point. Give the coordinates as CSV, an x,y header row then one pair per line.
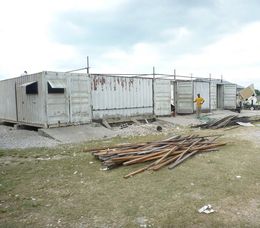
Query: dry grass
x,y
68,191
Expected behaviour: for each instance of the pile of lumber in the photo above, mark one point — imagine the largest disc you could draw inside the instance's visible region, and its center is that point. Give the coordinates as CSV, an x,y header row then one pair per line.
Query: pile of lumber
x,y
170,152
228,121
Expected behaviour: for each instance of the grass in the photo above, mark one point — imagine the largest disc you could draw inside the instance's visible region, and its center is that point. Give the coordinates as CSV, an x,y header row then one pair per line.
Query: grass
x,y
73,192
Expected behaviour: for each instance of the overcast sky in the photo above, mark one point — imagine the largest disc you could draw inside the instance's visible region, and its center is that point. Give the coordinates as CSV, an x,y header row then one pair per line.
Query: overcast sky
x,y
221,37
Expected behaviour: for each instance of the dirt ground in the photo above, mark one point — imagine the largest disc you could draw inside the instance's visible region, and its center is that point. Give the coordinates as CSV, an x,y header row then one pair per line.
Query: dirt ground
x,y
12,138
63,186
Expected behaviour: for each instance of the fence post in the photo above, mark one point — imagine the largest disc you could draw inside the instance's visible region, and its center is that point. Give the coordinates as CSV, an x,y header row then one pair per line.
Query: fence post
x,y
87,65
210,93
153,94
175,92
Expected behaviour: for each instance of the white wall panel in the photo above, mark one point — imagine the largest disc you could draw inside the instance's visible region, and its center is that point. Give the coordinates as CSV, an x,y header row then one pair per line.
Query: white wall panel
x,y
184,97
114,96
162,97
7,100
230,91
203,89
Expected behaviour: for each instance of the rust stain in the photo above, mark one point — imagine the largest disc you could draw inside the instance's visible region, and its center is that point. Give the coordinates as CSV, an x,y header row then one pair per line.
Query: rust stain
x,y
102,82
98,80
110,84
131,83
92,85
95,82
122,83
114,84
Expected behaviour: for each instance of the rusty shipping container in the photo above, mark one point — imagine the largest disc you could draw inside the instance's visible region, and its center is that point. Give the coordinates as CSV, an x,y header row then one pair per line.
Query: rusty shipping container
x,y
116,96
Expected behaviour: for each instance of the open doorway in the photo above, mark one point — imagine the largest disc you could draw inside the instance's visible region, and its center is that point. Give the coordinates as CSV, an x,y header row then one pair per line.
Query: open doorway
x,y
220,96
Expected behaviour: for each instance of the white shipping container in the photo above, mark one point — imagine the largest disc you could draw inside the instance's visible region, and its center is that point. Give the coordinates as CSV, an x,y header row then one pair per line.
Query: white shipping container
x,y
46,99
114,96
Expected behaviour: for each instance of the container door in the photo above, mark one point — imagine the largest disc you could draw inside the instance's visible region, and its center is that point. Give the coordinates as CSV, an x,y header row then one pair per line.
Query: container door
x,y
230,91
202,88
162,97
213,96
79,99
57,100
27,94
184,97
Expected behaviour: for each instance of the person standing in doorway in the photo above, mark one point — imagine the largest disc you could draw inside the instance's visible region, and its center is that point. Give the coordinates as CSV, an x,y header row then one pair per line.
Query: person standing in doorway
x,y
199,101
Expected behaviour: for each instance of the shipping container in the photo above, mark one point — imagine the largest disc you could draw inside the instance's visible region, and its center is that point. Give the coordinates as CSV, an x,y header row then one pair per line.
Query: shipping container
x,y
49,99
217,95
46,99
117,96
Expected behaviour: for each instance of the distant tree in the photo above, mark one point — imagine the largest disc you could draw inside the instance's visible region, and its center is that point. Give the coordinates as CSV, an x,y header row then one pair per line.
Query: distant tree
x,y
257,92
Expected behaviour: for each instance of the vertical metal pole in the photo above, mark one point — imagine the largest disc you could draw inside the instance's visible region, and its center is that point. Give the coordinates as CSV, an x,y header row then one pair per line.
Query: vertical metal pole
x,y
16,104
153,90
175,92
192,90
221,78
87,65
209,92
90,91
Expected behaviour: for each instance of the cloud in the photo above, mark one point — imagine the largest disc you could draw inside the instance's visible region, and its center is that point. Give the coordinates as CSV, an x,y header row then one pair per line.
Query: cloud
x,y
236,56
26,42
193,36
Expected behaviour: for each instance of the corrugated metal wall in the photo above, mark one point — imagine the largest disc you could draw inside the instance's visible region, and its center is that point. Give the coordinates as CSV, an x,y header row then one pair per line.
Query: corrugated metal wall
x,y
7,100
72,106
162,97
109,96
57,104
80,95
114,96
230,91
213,96
30,107
203,89
184,97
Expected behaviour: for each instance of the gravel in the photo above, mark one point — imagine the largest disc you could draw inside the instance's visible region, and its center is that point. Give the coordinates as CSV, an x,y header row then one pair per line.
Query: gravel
x,y
144,129
11,138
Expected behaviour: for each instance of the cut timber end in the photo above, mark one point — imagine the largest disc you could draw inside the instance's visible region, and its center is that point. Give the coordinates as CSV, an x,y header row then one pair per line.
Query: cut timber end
x,y
106,124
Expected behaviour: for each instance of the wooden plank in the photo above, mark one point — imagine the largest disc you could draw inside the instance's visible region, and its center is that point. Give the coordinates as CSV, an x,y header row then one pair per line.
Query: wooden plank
x,y
106,124
135,121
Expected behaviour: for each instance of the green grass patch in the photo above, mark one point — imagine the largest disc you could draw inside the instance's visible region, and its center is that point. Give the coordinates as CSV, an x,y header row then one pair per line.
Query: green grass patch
x,y
73,192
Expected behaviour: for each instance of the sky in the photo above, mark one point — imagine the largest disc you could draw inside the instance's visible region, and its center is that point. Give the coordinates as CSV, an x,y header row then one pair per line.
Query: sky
x,y
198,37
